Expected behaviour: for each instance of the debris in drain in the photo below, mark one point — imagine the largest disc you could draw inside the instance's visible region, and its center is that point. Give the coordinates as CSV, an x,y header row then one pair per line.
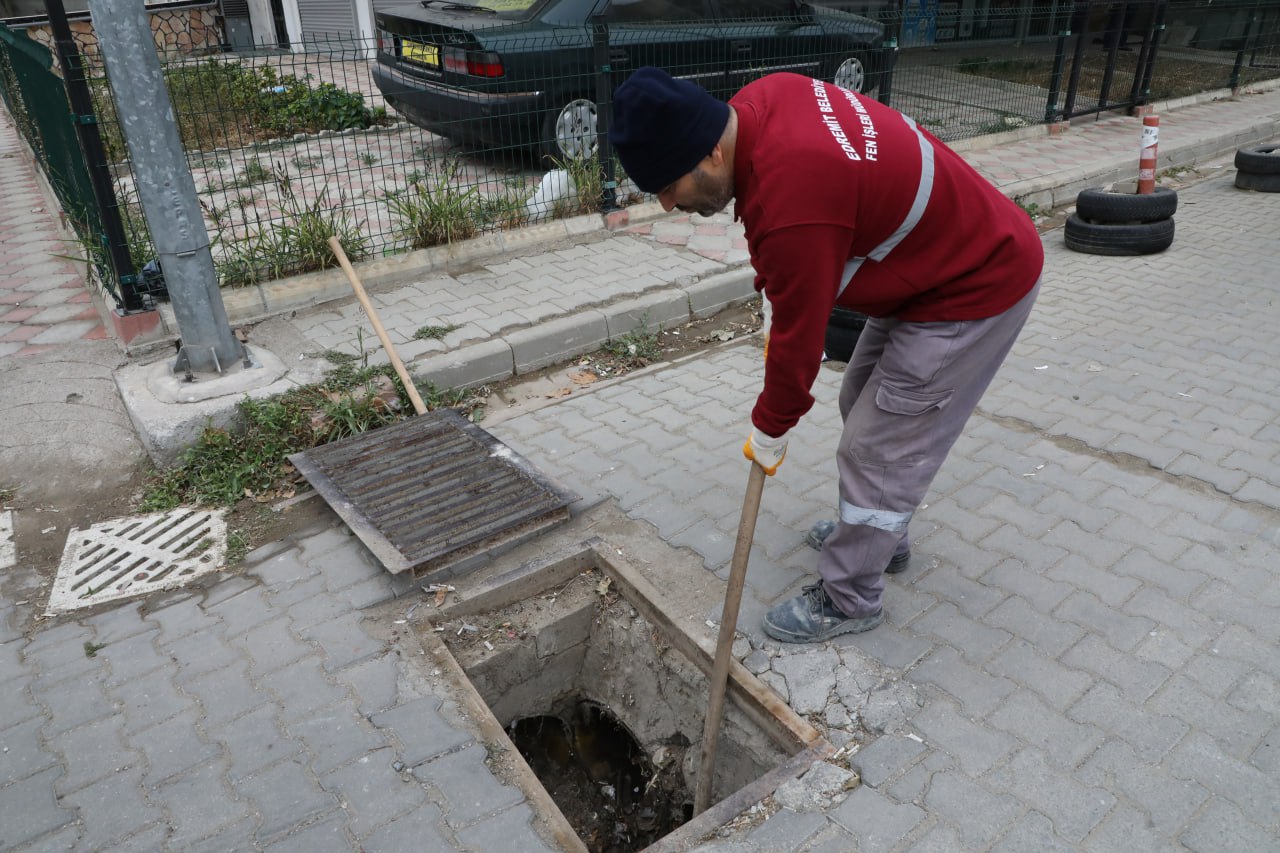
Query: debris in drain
x,y
616,798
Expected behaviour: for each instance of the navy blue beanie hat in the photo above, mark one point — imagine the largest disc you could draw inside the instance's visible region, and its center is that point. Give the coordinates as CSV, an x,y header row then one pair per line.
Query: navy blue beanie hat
x,y
663,127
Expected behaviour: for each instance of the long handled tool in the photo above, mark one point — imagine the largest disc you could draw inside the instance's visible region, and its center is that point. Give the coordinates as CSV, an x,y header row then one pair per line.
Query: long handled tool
x,y
728,627
409,387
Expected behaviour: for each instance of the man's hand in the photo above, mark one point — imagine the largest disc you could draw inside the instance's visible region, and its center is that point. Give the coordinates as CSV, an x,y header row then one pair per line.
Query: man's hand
x,y
766,451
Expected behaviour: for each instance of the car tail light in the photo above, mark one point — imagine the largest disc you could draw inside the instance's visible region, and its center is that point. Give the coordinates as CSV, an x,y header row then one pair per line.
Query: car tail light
x,y
384,42
472,62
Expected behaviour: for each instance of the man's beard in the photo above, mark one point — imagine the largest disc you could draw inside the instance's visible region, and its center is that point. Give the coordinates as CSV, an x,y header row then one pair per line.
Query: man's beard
x,y
712,197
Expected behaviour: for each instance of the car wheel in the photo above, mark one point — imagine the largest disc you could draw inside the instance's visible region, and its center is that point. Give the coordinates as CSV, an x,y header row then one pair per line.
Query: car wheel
x,y
1101,206
1258,183
570,132
1259,159
851,74
1093,238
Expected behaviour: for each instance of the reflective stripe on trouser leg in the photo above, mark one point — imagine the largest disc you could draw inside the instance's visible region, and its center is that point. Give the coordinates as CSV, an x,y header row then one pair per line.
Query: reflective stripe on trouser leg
x,y
892,522
900,425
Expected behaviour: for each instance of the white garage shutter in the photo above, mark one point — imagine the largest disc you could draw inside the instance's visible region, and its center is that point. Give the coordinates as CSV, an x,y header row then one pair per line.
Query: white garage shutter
x,y
327,21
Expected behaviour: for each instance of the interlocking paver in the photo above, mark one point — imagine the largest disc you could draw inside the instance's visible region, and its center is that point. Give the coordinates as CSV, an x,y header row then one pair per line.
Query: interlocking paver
x,y
286,796
977,691
93,752
422,732
469,790
1167,801
418,829
876,821
30,809
112,809
980,815
253,742
1073,807
1133,608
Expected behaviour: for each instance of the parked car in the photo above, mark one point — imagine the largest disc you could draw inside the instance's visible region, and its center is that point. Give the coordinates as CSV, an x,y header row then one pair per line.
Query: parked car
x,y
521,73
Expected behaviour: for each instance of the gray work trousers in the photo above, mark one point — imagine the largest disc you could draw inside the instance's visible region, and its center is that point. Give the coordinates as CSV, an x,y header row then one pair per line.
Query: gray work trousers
x,y
907,393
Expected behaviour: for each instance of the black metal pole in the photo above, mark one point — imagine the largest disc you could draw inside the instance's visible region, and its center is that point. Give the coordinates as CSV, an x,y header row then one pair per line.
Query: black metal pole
x,y
1111,43
1234,83
890,54
1080,26
1136,96
604,109
1051,111
1150,68
86,124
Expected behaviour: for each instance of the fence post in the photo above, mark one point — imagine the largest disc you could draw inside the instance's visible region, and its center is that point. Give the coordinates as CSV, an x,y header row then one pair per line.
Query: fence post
x,y
1156,29
886,76
1051,112
86,126
1079,26
1234,84
165,187
604,110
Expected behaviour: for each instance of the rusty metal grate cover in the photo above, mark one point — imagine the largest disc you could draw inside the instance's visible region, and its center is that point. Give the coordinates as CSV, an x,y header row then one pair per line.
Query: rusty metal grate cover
x,y
429,492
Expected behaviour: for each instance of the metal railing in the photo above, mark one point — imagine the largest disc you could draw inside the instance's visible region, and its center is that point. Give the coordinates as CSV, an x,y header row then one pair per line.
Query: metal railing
x,y
393,153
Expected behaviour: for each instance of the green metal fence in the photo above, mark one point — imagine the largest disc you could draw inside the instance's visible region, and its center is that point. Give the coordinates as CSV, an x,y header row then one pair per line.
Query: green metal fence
x,y
431,134
37,100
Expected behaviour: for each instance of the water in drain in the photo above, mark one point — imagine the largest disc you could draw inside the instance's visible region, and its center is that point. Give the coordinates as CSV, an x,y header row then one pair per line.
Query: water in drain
x,y
602,780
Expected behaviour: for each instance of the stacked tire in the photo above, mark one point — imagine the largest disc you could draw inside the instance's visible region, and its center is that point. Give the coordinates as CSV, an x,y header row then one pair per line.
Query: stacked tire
x,y
844,327
1258,168
1116,223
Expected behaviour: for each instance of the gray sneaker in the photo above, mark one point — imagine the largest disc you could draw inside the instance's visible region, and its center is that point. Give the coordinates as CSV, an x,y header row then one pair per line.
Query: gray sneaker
x,y
812,617
822,529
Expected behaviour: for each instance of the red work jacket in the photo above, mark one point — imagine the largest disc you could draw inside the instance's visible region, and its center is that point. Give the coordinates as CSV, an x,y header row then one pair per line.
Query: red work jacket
x,y
848,202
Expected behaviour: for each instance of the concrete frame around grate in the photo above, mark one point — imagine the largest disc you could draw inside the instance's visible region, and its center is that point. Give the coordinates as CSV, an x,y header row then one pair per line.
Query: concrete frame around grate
x,y
753,697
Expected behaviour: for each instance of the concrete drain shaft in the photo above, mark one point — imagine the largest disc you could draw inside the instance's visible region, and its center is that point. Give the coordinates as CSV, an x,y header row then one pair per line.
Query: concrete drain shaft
x,y
584,630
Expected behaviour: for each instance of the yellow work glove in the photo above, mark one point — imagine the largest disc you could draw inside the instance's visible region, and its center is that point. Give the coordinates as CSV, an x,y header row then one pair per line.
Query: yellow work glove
x,y
765,450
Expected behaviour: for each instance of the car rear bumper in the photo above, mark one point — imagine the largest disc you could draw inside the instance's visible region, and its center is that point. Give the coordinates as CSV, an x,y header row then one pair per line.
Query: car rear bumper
x,y
452,111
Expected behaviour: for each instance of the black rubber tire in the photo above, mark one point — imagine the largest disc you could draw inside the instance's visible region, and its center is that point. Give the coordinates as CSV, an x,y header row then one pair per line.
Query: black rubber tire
x,y
843,330
847,318
1258,183
1100,206
1145,238
1259,159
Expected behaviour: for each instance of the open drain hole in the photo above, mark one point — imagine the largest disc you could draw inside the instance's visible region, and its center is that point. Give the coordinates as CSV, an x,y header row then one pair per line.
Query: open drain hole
x,y
601,777
603,695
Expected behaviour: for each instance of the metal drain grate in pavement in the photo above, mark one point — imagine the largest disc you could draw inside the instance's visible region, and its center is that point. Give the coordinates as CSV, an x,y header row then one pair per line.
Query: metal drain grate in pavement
x,y
433,491
143,553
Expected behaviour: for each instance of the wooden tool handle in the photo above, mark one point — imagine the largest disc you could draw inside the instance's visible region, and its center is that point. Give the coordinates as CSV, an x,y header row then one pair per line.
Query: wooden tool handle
x,y
409,387
724,645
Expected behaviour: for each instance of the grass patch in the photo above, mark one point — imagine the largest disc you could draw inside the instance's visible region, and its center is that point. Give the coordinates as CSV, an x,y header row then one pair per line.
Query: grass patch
x,y
297,243
587,176
437,208
638,348
225,466
434,333
224,104
237,547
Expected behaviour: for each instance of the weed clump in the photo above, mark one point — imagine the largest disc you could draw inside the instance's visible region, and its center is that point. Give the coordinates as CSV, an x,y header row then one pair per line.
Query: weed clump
x,y
227,465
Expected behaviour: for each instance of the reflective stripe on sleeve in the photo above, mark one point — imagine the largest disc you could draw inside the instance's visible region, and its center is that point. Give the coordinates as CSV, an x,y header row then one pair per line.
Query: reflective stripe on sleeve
x,y
893,522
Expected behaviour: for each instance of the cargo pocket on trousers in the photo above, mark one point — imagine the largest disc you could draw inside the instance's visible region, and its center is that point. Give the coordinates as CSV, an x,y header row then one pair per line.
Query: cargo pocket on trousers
x,y
912,438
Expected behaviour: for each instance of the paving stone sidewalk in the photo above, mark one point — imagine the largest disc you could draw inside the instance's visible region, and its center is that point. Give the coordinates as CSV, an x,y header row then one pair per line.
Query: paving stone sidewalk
x,y
1081,656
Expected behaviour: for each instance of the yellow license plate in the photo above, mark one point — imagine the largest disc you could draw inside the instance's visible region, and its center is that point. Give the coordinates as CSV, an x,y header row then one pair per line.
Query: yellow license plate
x,y
416,51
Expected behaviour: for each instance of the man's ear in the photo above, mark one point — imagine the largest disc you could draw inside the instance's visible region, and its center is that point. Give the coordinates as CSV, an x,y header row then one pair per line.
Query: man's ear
x,y
717,156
